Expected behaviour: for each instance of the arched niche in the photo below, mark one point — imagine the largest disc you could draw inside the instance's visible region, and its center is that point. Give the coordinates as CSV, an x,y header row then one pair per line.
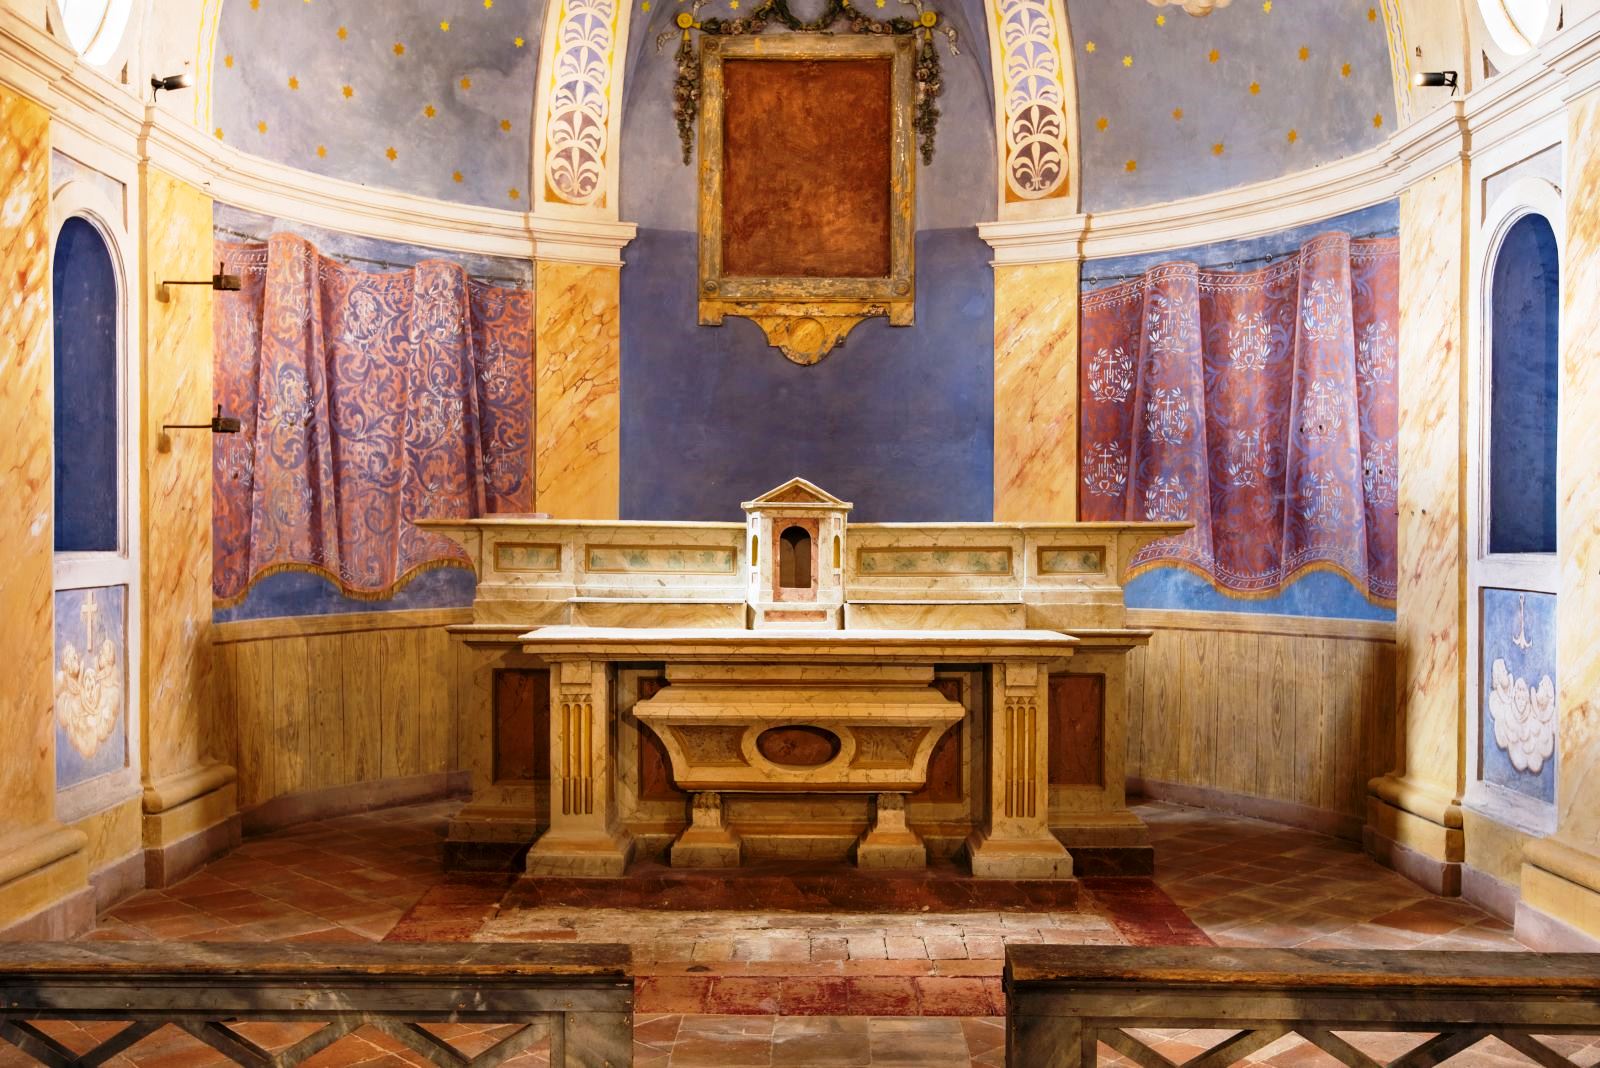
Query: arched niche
x,y
1524,302
86,301
794,558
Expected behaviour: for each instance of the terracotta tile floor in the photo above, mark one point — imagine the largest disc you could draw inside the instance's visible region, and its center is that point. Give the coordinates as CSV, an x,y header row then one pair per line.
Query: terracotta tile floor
x,y
918,985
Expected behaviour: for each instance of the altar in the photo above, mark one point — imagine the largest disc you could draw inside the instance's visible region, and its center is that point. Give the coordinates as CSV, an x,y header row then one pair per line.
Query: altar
x,y
798,686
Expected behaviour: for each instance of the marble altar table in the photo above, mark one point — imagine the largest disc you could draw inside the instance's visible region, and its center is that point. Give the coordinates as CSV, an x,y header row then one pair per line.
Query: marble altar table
x,y
798,686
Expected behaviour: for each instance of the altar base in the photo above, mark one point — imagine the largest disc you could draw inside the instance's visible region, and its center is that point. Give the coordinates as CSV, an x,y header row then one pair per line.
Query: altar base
x,y
889,843
708,841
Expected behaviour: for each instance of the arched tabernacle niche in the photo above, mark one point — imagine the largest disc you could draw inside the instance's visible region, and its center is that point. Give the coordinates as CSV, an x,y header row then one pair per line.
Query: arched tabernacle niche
x,y
1524,308
86,302
794,559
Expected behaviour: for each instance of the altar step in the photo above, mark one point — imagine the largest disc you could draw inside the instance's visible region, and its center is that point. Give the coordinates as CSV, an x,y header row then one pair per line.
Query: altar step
x,y
797,887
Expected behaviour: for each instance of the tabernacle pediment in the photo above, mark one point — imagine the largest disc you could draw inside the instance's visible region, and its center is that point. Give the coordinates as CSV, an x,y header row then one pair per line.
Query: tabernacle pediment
x,y
797,491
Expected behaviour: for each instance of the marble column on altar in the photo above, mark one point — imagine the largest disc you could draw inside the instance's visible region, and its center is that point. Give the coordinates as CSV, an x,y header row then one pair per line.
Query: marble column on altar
x,y
585,837
1014,839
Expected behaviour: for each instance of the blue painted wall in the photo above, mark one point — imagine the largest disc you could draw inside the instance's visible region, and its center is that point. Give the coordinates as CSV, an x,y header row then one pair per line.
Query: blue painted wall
x,y
1525,380
1174,92
398,62
87,423
899,420
1316,593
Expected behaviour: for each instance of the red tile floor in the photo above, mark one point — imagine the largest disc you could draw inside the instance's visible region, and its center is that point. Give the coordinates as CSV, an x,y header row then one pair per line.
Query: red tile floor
x,y
918,985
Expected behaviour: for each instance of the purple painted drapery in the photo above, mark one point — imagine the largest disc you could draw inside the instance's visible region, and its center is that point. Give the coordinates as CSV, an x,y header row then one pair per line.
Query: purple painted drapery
x,y
366,400
1261,406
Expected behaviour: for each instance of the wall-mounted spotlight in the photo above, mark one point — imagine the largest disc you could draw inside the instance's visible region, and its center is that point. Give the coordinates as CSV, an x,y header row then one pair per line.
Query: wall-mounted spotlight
x,y
223,283
1436,79
169,83
220,424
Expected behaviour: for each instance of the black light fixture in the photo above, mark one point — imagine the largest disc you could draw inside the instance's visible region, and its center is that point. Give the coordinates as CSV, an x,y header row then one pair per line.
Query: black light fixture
x,y
220,424
223,283
169,83
1436,79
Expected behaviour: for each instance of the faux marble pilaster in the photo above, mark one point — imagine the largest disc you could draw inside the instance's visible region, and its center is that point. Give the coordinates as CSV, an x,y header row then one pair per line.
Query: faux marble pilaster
x,y
1036,392
585,837
1414,816
577,356
1014,840
1562,875
43,866
185,747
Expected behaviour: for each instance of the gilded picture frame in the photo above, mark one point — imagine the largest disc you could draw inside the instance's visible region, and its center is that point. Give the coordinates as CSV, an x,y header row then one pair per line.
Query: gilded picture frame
x,y
806,316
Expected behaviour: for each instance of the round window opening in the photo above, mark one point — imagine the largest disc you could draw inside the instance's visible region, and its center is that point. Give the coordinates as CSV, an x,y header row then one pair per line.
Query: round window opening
x,y
94,28
1515,25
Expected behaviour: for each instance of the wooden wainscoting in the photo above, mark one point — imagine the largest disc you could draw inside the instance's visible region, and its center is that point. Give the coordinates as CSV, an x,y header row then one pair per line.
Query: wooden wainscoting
x,y
313,703
1277,716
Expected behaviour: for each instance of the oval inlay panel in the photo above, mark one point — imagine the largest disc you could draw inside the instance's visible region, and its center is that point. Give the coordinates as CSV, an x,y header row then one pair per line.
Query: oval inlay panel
x,y
798,746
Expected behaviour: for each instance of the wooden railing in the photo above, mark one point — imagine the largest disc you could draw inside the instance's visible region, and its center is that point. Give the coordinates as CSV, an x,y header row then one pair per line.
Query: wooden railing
x,y
1066,1005
574,1000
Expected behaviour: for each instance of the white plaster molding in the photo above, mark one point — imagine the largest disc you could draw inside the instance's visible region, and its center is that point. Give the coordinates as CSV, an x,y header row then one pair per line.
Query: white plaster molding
x,y
276,190
1574,53
31,61
1246,211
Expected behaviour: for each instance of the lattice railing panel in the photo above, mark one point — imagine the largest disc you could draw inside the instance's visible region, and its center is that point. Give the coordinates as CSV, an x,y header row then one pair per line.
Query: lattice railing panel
x,y
1202,1007
279,1006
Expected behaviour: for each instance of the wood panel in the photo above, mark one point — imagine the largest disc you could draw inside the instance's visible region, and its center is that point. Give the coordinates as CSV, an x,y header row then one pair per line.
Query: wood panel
x,y
319,704
1283,710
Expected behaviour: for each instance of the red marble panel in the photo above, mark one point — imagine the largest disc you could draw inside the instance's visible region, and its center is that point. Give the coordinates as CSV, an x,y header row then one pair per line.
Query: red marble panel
x,y
522,725
655,766
1077,730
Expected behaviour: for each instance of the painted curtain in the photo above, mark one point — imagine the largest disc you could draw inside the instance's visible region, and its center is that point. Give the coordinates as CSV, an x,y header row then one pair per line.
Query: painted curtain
x,y
1259,406
366,400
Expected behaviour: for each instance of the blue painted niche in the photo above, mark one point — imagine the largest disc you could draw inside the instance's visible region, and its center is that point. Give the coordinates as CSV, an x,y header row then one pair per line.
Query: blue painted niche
x,y
1517,736
1524,384
87,420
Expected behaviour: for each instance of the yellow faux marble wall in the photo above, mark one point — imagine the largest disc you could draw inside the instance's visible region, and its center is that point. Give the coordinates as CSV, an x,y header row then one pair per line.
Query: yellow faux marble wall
x,y
27,771
577,359
1578,605
175,492
1036,392
1430,611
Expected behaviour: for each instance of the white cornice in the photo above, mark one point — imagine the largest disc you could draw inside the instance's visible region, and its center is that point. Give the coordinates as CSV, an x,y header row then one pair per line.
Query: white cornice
x,y
1247,211
260,185
31,61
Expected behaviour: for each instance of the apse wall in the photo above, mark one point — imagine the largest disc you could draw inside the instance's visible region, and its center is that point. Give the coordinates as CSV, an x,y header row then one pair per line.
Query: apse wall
x,y
898,420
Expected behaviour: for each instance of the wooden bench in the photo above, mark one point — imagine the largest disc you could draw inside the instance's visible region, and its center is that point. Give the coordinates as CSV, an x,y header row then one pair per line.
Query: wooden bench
x,y
1062,1002
577,998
